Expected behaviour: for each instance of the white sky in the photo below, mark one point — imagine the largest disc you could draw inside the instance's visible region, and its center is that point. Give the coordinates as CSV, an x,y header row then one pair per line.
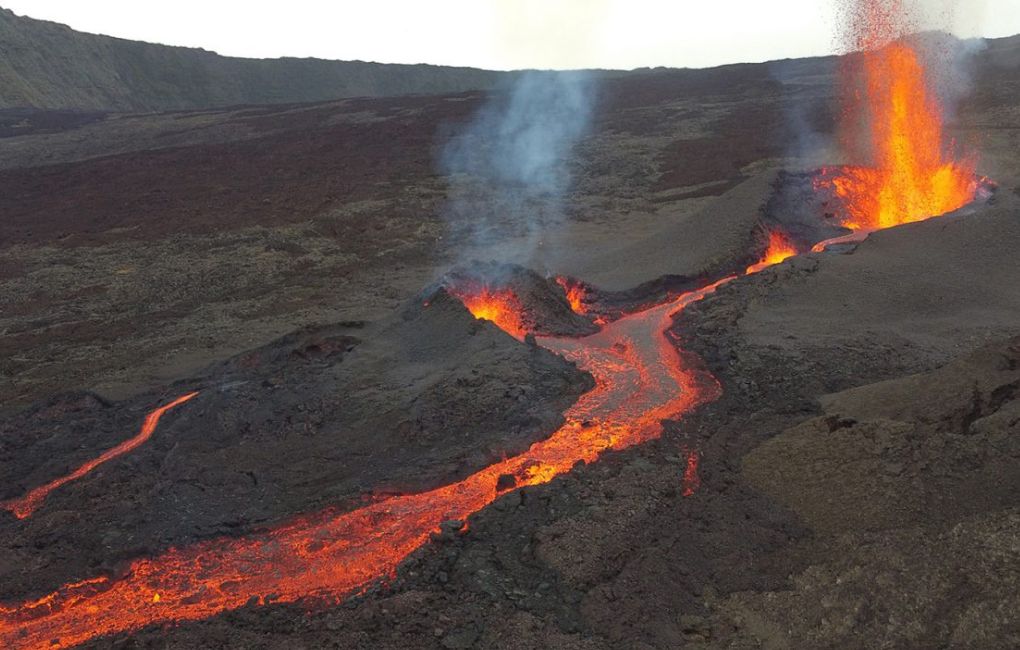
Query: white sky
x,y
500,34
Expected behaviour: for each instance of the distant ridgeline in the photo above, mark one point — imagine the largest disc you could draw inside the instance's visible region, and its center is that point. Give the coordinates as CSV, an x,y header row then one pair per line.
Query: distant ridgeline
x,y
45,65
51,66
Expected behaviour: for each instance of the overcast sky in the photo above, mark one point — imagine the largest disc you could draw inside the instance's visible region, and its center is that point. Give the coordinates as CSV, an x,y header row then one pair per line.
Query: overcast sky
x,y
501,34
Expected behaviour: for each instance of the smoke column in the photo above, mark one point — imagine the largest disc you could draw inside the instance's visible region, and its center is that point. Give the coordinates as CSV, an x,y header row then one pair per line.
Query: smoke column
x,y
509,168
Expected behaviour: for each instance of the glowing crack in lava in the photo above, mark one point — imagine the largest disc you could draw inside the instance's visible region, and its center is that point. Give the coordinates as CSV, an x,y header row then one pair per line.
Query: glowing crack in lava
x,y
640,379
501,307
779,249
26,505
575,293
691,479
913,174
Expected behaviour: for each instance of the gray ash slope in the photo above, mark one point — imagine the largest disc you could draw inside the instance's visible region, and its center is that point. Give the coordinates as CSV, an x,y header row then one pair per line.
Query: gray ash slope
x,y
321,418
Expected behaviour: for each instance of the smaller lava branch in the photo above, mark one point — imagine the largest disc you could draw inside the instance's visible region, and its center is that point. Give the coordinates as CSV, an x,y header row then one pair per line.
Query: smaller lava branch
x,y
26,505
691,479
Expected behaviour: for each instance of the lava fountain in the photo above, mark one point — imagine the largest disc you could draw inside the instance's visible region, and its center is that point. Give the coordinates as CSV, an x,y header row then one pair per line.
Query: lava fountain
x,y
914,172
575,293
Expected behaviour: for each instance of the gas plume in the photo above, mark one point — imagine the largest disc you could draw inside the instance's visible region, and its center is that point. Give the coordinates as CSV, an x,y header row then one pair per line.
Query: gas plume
x,y
509,168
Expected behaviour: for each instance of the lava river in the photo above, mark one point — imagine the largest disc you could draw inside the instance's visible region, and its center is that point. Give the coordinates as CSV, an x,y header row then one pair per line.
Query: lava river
x,y
641,379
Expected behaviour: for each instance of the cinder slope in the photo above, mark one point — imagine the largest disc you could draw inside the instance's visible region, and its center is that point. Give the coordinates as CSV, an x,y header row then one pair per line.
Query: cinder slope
x,y
692,245
928,449
912,488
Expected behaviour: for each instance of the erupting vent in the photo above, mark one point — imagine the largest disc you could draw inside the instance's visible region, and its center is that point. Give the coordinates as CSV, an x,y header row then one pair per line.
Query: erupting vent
x,y
915,173
575,292
501,307
780,248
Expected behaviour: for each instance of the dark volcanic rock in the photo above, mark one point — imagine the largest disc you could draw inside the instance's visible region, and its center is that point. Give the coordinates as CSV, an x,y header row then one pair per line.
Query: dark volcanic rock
x,y
925,449
321,417
911,488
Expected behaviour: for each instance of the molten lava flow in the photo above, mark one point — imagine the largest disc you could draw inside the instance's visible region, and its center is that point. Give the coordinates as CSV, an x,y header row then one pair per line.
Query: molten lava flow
x,y
26,505
640,378
575,292
913,175
779,249
498,306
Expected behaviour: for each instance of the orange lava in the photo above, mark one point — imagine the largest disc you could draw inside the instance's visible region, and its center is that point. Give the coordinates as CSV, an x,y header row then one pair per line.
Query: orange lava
x,y
575,292
913,174
855,237
498,306
691,479
640,379
26,505
780,248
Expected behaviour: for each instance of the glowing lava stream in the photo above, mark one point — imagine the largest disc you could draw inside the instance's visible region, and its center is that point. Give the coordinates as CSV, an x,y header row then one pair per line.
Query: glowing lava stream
x,y
640,377
26,505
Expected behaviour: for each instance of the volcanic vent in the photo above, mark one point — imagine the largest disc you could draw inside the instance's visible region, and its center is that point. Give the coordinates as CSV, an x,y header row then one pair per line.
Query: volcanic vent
x,y
519,301
904,166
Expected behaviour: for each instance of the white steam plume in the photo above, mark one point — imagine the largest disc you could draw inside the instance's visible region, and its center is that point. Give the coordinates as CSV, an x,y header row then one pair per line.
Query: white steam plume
x,y
509,168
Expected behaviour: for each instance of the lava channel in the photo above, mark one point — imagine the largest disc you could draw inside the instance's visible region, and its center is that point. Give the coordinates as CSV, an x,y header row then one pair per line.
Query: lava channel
x,y
26,505
640,379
